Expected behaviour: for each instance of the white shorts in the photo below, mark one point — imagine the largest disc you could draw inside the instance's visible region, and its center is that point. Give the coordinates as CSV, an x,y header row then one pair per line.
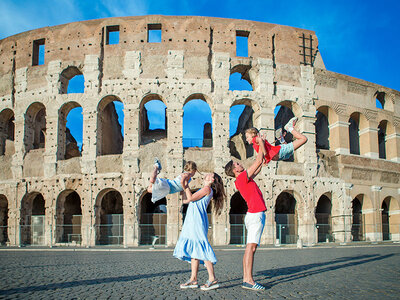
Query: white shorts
x,y
255,225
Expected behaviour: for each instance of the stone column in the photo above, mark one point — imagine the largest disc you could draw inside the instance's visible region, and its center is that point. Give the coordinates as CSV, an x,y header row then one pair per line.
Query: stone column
x,y
392,143
131,140
89,140
174,154
339,135
50,155
18,157
369,140
373,217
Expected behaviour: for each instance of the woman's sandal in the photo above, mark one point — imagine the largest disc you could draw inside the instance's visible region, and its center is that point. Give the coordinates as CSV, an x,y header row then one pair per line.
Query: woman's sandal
x,y
210,285
189,285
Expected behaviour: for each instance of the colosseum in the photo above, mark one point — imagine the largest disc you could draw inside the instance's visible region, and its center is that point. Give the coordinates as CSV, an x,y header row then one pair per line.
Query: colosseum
x,y
342,186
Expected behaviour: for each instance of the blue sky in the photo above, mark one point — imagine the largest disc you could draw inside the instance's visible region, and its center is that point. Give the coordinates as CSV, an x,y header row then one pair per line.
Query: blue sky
x,y
356,38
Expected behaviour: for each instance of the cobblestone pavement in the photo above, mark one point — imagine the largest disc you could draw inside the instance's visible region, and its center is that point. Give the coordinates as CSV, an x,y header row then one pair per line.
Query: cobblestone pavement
x,y
369,272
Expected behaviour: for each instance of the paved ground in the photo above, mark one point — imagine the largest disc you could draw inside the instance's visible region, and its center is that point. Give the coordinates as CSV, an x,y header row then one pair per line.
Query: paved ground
x,y
368,272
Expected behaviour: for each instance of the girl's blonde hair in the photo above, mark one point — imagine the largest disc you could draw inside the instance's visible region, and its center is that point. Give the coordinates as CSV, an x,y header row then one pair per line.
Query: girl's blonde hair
x,y
253,131
218,194
190,166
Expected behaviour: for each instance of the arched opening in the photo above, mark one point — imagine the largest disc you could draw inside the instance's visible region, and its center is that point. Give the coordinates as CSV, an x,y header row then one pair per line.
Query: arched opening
x,y
72,81
322,129
70,131
385,220
286,219
393,218
110,126
380,100
357,228
241,117
197,123
68,218
7,129
354,136
35,127
153,221
109,218
237,214
382,139
153,119
283,113
239,79
323,218
32,221
3,220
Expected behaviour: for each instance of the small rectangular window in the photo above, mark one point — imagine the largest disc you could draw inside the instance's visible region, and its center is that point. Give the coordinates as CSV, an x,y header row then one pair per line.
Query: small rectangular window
x,y
112,35
38,52
242,43
154,33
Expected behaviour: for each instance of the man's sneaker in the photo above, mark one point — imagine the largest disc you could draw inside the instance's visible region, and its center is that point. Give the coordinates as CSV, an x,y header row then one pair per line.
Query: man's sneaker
x,y
290,125
157,164
279,136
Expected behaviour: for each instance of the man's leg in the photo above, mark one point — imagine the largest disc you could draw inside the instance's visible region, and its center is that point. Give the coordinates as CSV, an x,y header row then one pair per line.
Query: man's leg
x,y
248,260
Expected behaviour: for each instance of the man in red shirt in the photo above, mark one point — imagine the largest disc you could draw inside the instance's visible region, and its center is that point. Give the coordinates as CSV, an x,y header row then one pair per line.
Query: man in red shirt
x,y
255,216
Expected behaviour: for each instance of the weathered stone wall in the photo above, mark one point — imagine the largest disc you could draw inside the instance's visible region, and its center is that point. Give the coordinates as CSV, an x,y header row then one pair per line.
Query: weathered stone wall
x,y
193,61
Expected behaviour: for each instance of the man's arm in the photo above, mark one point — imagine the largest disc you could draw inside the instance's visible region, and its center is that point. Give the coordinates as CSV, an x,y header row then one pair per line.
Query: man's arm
x,y
252,171
260,143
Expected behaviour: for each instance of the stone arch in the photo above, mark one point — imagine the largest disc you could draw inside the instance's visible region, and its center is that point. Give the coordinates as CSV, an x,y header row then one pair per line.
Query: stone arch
x,y
390,214
68,217
322,135
237,213
67,76
382,129
67,144
238,146
152,220
3,220
245,74
109,136
323,217
109,217
32,219
363,218
354,133
380,99
287,110
286,218
204,125
145,133
7,129
35,127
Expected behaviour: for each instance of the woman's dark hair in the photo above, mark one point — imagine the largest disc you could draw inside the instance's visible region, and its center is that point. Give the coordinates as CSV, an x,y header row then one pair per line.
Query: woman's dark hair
x,y
218,193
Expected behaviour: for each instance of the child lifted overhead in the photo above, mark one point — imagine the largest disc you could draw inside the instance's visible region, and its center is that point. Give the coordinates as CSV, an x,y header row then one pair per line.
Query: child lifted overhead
x,y
280,152
161,187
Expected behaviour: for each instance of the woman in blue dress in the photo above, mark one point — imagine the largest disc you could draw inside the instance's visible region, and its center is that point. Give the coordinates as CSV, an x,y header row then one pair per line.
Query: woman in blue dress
x,y
193,245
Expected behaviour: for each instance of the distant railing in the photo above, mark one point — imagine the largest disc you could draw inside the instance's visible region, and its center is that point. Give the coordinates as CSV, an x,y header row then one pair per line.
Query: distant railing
x,y
196,142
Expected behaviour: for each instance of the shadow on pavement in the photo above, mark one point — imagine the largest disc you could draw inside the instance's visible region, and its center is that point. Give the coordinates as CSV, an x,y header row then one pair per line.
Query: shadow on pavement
x,y
297,272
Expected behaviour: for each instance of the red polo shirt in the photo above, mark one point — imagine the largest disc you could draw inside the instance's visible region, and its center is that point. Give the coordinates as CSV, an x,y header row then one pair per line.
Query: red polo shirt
x,y
250,193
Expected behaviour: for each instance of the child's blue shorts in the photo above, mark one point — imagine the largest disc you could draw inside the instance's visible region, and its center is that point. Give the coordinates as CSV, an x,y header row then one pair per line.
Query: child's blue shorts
x,y
286,151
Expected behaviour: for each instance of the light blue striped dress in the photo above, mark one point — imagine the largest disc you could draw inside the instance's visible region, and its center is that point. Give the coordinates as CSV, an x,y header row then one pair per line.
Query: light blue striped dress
x,y
193,242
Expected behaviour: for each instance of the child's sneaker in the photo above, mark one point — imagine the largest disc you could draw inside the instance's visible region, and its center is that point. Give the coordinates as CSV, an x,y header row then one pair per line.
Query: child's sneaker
x,y
157,164
290,125
279,136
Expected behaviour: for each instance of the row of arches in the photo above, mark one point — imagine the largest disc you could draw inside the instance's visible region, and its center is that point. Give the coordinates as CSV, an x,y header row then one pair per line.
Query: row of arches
x,y
196,132
152,125
361,132
108,218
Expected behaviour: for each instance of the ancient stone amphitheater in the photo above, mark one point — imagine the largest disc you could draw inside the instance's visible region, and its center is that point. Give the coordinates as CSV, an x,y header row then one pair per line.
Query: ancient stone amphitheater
x,y
342,186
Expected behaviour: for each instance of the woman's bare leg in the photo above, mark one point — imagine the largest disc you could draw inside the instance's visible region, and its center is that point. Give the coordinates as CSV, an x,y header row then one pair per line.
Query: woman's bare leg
x,y
210,270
